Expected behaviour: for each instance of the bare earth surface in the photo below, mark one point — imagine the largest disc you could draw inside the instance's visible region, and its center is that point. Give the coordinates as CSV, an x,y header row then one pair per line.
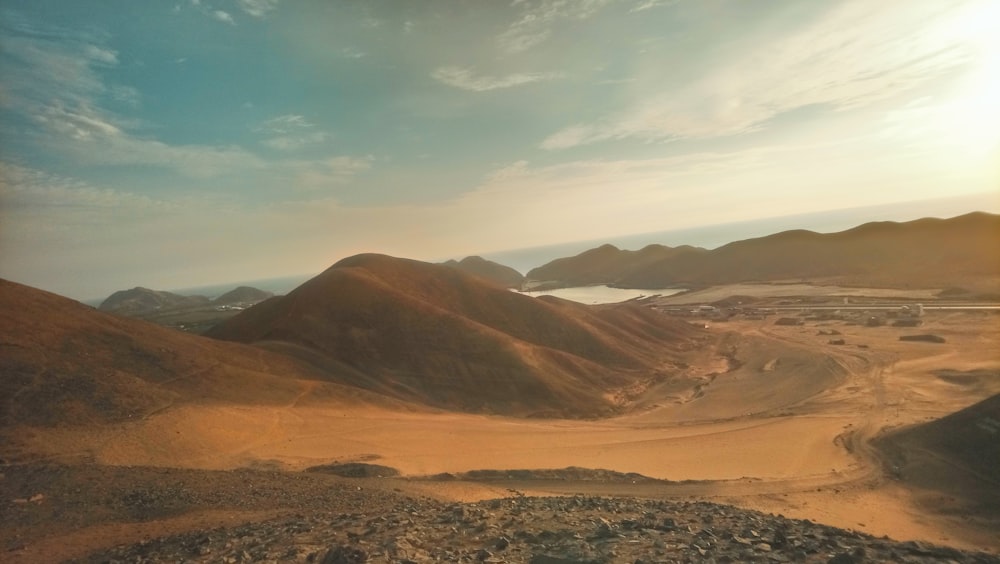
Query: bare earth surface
x,y
769,418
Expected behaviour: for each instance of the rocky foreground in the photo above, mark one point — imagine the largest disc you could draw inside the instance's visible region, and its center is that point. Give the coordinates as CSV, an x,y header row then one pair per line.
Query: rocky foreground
x,y
564,530
321,518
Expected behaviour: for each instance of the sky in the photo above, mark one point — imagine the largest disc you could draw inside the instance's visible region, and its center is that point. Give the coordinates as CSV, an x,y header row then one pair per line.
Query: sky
x,y
193,142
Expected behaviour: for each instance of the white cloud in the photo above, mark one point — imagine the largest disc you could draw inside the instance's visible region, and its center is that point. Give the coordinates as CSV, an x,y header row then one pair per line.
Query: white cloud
x,y
290,132
100,55
534,25
285,123
571,137
22,187
351,53
464,78
223,16
293,142
44,70
856,55
315,175
648,4
258,8
80,123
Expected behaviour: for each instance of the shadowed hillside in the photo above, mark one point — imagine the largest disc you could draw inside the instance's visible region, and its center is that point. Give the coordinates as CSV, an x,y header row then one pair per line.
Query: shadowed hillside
x,y
969,438
951,462
963,251
606,264
492,271
64,363
433,334
242,295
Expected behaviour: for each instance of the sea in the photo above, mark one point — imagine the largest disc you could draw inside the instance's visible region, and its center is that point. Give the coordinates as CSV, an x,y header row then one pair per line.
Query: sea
x,y
592,295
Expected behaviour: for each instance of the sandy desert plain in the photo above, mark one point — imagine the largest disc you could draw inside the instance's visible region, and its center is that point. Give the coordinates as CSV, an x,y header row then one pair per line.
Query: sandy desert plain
x,y
771,418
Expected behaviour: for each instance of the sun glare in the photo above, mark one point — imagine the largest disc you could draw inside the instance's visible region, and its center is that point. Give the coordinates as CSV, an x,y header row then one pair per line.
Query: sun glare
x,y
970,118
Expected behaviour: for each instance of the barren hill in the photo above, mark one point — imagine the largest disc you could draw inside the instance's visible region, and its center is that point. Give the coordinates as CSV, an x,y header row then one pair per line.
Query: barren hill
x,y
436,335
64,363
493,271
142,301
605,265
962,251
242,295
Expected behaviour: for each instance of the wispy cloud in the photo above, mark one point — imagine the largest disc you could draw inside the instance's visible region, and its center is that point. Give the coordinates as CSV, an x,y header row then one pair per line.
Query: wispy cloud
x,y
351,53
324,173
290,132
536,19
258,8
291,143
649,4
23,188
54,80
223,16
101,55
858,54
285,123
464,78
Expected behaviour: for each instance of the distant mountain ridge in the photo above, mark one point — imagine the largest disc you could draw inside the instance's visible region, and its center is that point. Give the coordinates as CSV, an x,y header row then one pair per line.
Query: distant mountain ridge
x,y
492,271
436,335
139,301
926,252
606,264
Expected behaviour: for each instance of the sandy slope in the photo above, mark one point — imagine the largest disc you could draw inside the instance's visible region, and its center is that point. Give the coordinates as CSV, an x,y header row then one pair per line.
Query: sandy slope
x,y
780,421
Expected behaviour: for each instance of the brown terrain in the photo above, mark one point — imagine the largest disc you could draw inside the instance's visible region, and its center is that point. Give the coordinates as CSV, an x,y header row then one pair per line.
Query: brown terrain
x,y
489,270
433,335
606,264
193,314
925,253
390,410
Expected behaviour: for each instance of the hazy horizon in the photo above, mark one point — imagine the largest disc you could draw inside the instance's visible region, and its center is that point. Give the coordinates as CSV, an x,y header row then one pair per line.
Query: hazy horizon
x,y
524,259
192,142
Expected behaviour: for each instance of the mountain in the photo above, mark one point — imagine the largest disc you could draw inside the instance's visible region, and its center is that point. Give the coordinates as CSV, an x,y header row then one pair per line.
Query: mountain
x,y
961,251
493,271
142,301
606,264
242,295
436,335
64,363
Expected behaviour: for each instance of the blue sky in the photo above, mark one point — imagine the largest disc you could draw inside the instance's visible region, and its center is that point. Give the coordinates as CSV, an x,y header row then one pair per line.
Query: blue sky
x,y
189,142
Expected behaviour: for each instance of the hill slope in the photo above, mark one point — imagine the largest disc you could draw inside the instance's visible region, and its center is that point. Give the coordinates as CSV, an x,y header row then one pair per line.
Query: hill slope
x,y
493,271
64,363
606,264
951,462
969,438
142,301
961,251
436,335
242,295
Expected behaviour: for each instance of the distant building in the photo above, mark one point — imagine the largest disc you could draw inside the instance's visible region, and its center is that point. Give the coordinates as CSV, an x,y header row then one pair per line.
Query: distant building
x,y
790,321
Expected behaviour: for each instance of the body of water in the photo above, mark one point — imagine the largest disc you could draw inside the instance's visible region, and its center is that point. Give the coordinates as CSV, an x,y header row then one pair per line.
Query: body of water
x,y
603,294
